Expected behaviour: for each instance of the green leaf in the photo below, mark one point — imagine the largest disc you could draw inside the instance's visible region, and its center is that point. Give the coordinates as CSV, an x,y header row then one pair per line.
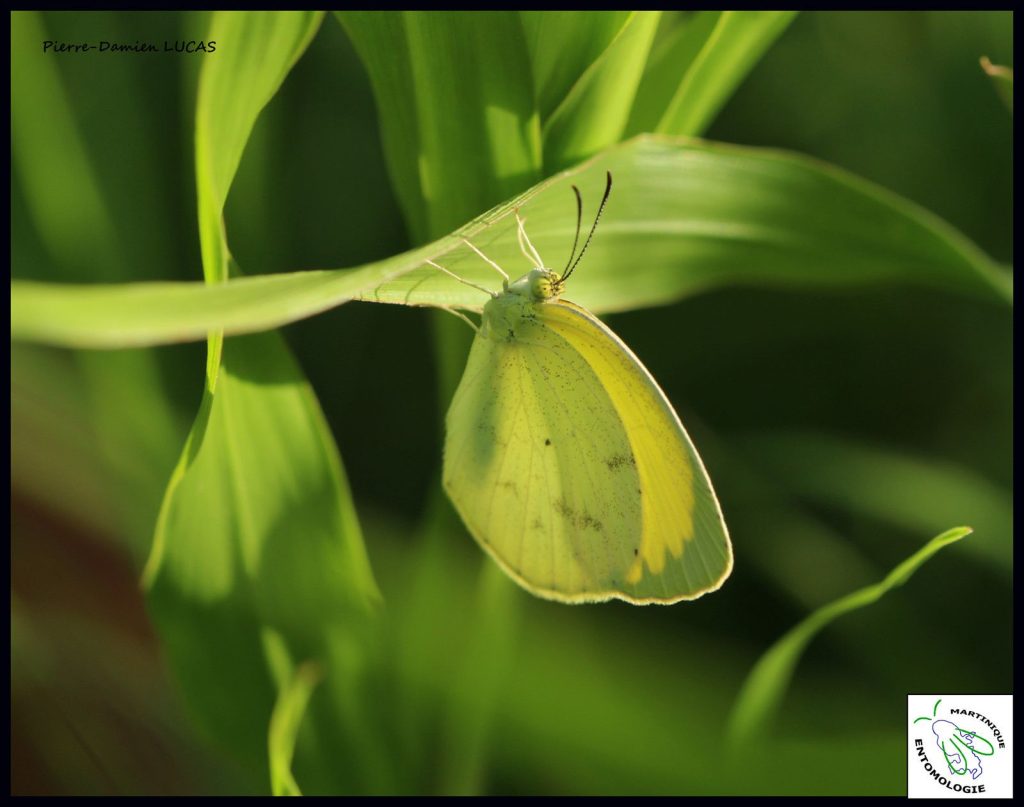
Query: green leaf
x,y
562,44
684,216
910,492
666,70
284,727
703,83
594,114
767,682
257,529
1002,80
263,48
455,103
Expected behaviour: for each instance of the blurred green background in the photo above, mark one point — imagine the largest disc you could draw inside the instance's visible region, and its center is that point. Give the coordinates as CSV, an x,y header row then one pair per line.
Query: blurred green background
x,y
841,429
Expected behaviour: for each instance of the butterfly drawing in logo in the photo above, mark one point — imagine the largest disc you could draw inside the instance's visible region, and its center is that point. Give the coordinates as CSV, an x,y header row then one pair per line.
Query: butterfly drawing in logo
x,y
961,748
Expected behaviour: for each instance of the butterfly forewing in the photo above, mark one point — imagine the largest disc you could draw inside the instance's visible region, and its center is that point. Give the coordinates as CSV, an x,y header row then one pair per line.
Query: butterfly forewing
x,y
684,545
536,463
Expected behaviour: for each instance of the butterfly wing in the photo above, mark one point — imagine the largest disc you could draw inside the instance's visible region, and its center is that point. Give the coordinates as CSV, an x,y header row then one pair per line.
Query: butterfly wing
x,y
526,433
684,544
570,467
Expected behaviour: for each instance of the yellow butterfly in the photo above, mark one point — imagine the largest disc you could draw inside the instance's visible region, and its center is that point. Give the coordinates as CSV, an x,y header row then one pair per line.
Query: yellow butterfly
x,y
566,461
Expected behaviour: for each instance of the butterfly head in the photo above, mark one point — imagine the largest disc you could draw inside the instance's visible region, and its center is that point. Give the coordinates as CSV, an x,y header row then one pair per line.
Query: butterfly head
x,y
544,284
541,284
538,285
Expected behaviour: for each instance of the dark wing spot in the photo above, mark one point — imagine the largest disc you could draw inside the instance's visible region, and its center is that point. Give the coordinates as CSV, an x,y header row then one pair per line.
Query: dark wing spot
x,y
580,521
547,441
620,461
635,551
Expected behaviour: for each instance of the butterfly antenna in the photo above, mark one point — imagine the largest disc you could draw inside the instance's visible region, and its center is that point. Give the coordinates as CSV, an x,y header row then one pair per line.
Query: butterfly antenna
x,y
576,238
597,218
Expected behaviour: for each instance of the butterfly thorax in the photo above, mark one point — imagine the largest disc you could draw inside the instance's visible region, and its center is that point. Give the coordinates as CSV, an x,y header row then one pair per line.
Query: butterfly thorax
x,y
512,314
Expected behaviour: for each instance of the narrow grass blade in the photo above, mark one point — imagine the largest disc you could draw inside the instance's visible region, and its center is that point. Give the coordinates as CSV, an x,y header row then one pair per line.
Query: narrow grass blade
x,y
767,682
284,727
266,46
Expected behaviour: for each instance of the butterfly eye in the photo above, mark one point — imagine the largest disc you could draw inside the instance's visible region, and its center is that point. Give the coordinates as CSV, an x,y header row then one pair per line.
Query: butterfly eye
x,y
544,285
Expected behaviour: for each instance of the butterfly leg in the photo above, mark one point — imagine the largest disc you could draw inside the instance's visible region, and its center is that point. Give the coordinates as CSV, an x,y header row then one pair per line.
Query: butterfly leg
x,y
461,279
524,242
461,316
500,271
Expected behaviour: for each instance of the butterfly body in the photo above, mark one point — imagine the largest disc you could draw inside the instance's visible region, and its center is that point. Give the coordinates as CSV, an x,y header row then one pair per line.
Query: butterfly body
x,y
516,307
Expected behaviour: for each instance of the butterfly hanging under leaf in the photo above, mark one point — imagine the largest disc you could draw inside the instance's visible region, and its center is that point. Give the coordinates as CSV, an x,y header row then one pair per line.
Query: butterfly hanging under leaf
x,y
566,461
